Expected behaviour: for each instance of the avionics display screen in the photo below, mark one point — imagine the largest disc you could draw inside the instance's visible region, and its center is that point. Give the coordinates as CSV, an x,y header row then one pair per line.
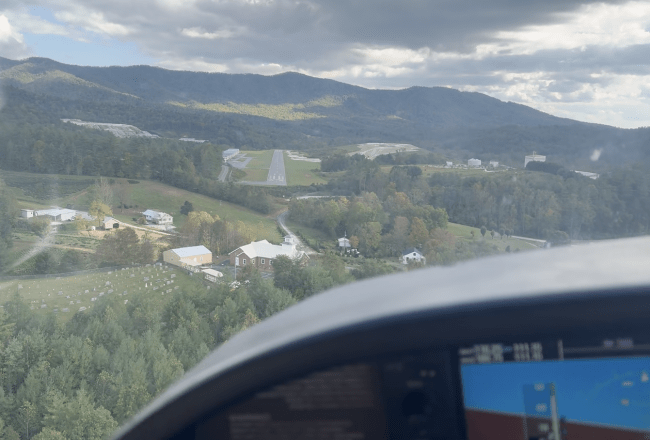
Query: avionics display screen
x,y
338,404
538,390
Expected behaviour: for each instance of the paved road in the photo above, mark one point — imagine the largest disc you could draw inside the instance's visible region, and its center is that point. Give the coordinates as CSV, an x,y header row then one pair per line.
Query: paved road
x,y
276,171
225,169
299,244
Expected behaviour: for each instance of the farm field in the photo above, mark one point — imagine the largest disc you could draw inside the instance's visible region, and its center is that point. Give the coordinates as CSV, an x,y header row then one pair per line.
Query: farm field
x,y
43,191
69,295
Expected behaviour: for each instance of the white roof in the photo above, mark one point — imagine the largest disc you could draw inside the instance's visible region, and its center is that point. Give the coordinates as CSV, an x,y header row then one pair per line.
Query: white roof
x,y
214,273
264,249
191,251
152,213
55,211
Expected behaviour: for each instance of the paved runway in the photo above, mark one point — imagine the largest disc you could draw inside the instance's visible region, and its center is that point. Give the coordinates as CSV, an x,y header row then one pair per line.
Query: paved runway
x,y
277,175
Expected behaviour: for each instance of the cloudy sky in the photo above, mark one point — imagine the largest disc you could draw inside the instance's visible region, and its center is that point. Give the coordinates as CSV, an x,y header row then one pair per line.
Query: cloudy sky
x,y
583,60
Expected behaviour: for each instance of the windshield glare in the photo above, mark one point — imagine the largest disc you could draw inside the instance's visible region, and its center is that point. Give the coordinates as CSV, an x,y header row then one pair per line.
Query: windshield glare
x,y
173,173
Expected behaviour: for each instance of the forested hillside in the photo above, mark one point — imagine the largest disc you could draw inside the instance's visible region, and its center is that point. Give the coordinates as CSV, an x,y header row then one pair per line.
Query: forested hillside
x,y
299,112
79,380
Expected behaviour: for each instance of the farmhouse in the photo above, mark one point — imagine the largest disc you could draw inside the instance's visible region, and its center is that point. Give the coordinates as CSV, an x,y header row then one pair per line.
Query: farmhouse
x,y
27,213
413,254
157,217
262,253
344,243
474,162
188,256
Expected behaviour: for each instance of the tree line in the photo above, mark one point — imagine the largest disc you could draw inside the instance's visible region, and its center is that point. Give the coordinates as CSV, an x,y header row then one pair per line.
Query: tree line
x,y
79,380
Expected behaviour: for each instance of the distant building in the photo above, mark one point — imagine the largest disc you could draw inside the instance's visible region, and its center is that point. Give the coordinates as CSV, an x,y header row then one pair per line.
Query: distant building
x,y
157,217
534,158
230,153
188,256
413,254
56,214
344,243
588,174
27,213
262,253
474,163
212,275
110,223
494,163
449,164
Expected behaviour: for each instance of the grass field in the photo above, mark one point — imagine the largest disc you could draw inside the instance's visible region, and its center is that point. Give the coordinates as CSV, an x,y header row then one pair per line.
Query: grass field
x,y
33,191
57,294
300,172
464,232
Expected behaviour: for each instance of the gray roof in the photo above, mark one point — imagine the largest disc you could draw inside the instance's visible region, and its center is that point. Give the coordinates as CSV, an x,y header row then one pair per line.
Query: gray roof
x,y
191,251
411,250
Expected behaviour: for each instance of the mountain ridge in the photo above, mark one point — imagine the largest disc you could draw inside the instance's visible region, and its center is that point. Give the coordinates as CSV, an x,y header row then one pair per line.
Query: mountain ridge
x,y
292,110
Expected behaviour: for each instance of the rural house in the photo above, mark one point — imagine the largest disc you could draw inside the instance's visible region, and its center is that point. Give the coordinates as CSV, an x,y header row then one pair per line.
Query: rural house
x,y
262,253
188,256
157,217
412,254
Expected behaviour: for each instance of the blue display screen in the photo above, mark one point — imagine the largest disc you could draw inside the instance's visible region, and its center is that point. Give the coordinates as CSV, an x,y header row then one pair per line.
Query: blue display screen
x,y
604,391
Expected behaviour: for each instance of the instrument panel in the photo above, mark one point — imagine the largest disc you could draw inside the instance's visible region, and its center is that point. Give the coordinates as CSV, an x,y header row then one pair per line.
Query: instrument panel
x,y
563,388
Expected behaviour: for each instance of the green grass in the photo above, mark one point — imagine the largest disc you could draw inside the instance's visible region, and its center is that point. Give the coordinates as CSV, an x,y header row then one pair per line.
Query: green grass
x,y
300,172
33,191
256,175
278,112
158,196
44,190
464,232
46,290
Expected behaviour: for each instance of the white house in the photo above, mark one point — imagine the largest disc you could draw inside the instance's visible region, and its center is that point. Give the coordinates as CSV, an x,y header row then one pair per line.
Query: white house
x,y
212,275
262,253
534,158
344,243
412,254
158,217
27,213
230,153
474,162
494,163
449,164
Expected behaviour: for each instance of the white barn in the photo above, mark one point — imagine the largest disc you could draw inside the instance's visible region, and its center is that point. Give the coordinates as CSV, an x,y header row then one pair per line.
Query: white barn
x,y
57,214
474,162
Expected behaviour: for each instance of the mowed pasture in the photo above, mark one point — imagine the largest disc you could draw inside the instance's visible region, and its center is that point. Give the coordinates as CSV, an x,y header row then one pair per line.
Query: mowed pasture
x,y
67,295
